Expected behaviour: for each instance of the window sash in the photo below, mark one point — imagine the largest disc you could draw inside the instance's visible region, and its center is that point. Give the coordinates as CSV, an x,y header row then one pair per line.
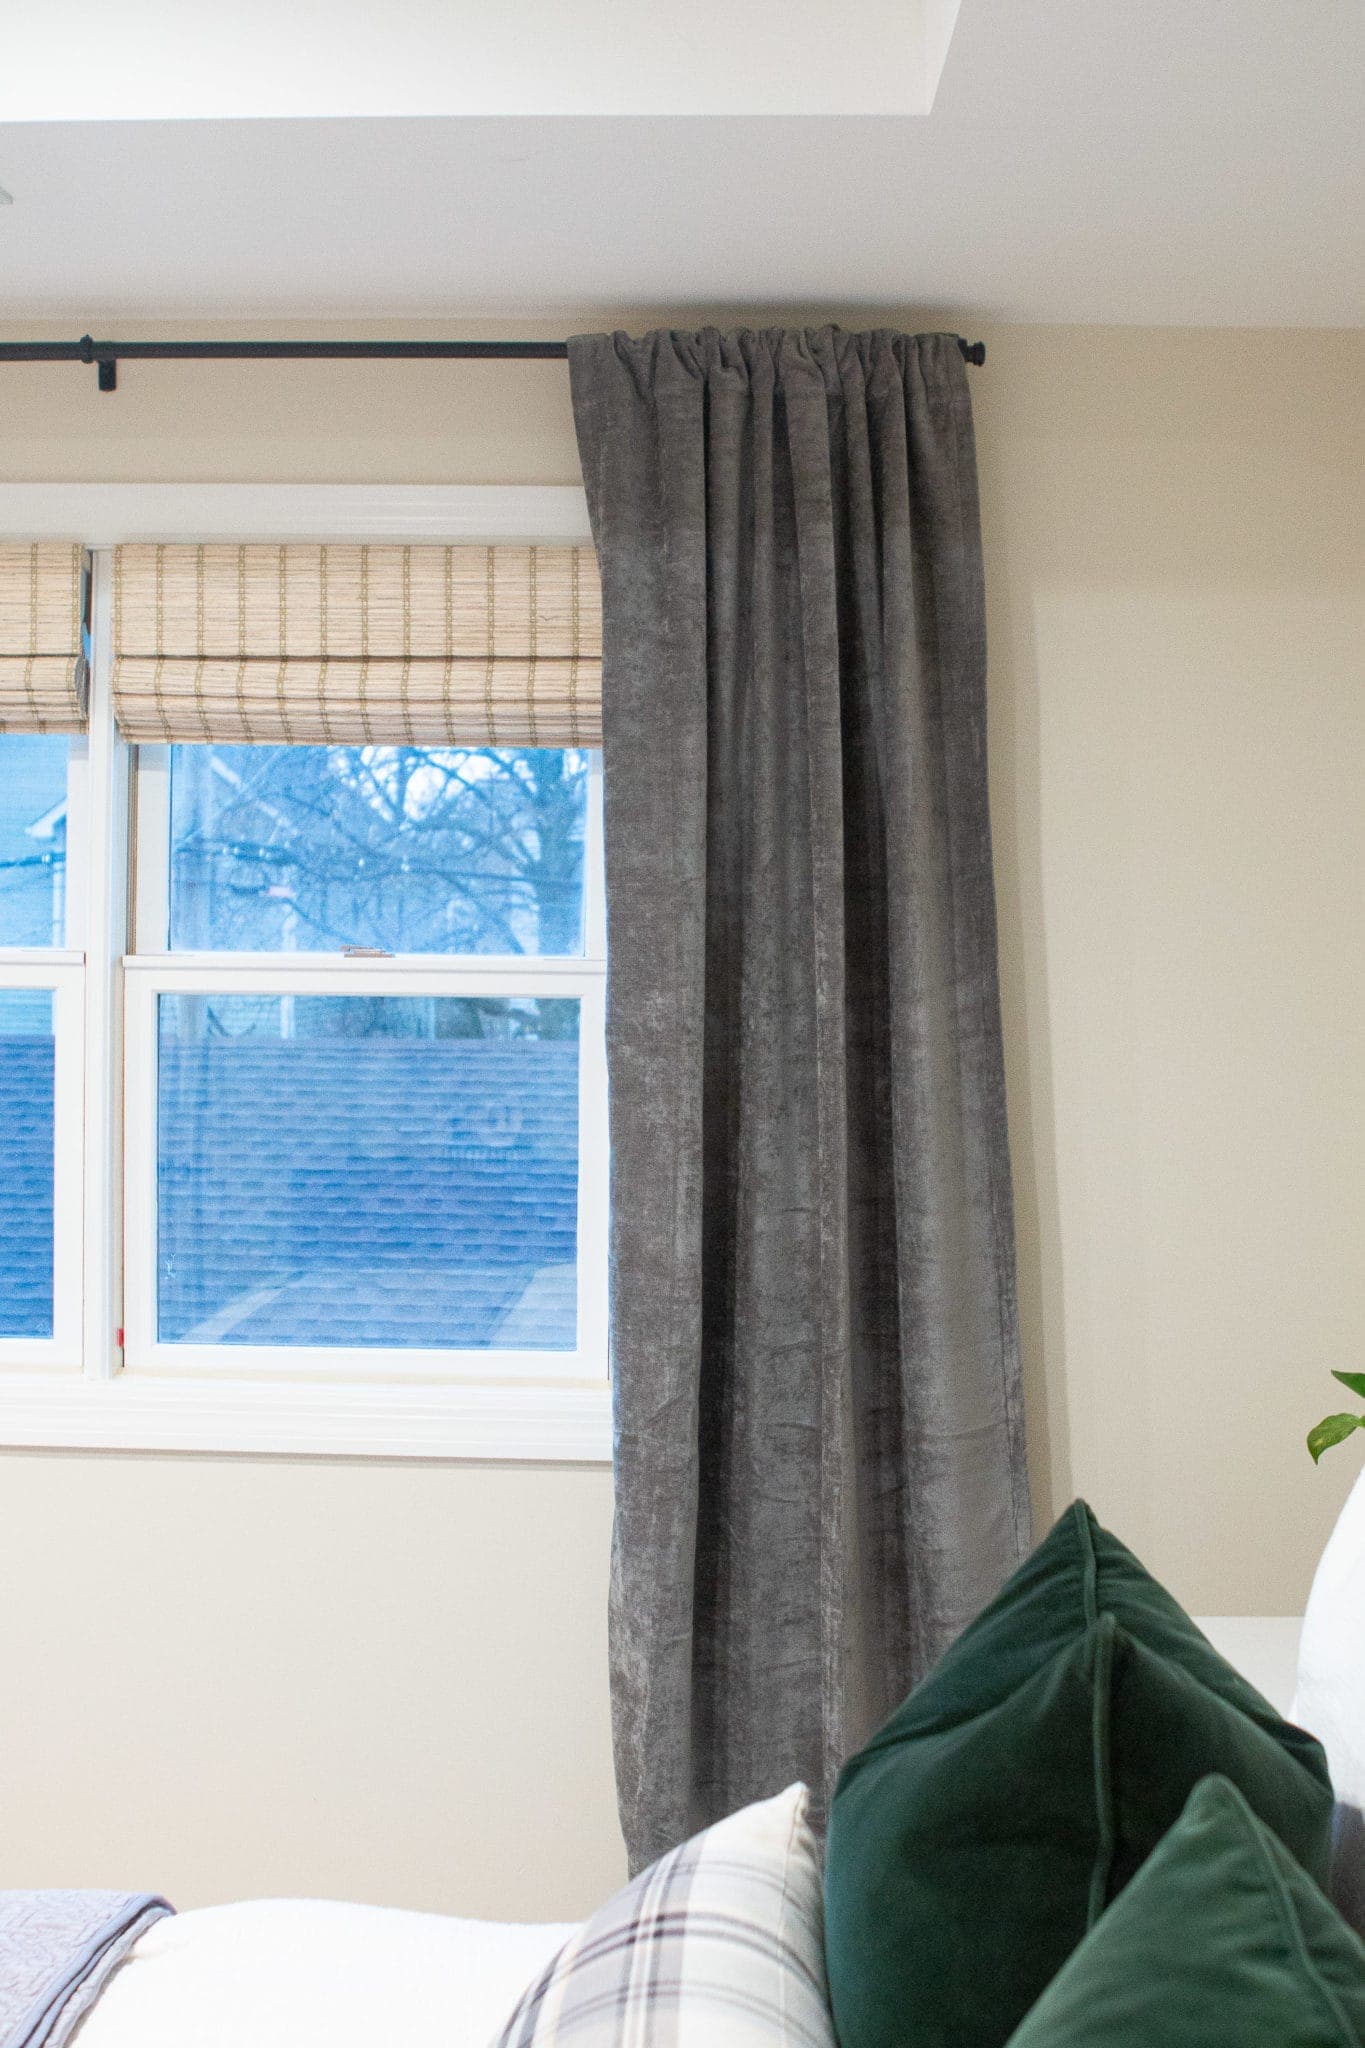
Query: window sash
x,y
63,974
153,970
149,976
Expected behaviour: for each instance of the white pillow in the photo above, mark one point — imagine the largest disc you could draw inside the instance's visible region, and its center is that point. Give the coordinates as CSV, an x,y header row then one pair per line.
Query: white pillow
x,y
1330,1700
720,1944
308,1973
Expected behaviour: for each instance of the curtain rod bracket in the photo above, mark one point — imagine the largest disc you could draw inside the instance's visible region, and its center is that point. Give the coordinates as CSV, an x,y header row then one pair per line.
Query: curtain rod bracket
x,y
92,351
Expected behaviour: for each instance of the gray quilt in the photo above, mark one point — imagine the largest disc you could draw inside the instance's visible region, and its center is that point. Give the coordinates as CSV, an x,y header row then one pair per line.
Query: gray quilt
x,y
58,1950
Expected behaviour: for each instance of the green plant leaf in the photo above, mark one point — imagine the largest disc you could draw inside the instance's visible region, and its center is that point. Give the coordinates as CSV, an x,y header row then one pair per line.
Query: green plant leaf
x,y
1333,1429
1354,1380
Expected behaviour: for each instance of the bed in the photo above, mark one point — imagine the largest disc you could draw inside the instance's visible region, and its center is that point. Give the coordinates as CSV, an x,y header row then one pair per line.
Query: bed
x,y
309,1973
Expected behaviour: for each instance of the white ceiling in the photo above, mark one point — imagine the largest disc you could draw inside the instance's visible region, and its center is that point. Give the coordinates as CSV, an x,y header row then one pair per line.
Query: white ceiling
x,y
1143,161
232,59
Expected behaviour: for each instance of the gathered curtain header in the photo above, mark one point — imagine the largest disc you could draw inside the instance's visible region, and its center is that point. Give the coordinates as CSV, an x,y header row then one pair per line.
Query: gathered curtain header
x,y
463,646
42,636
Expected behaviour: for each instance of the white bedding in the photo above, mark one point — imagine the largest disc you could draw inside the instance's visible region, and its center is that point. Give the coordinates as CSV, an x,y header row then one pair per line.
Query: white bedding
x,y
308,1973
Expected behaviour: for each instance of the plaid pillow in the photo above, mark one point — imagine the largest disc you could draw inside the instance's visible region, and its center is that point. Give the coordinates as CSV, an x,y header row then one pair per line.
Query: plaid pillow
x,y
717,1945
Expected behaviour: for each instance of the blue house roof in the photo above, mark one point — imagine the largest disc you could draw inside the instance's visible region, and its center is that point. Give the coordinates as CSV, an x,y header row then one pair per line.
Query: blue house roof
x,y
399,1192
26,1068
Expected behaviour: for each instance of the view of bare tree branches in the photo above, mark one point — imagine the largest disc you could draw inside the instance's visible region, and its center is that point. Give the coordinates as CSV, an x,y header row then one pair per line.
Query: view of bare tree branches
x,y
404,849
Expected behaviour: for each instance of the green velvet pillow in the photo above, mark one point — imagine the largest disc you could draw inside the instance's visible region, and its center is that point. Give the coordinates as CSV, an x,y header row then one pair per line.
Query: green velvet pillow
x,y
986,1827
1219,1942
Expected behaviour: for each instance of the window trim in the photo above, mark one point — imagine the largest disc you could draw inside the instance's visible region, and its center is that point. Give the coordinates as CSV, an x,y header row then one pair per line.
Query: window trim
x,y
281,1418
114,1404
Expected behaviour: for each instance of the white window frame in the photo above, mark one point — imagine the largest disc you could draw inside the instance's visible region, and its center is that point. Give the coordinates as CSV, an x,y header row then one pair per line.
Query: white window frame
x,y
117,1388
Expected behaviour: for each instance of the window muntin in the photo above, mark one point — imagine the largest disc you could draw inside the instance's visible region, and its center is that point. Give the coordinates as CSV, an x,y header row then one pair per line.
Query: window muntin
x,y
443,850
376,1171
33,836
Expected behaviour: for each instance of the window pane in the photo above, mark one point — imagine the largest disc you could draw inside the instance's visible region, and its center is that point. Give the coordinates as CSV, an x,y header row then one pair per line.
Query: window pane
x,y
408,849
33,839
26,1132
368,1170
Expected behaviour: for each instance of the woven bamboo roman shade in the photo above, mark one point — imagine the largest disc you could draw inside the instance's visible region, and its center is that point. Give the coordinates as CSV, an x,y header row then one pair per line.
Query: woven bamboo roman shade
x,y
427,646
42,658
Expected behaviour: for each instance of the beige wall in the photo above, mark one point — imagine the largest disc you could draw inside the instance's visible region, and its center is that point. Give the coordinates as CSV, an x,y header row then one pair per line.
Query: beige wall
x,y
230,1678
387,1681
1176,566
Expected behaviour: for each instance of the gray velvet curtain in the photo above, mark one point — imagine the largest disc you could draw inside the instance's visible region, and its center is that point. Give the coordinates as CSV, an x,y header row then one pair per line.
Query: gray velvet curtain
x,y
819,1450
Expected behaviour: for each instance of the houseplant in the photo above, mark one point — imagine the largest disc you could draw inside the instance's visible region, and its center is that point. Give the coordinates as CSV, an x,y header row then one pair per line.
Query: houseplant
x,y
1334,1429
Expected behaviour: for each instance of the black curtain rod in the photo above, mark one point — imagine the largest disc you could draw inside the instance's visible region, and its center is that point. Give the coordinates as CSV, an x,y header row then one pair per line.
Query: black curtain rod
x,y
108,354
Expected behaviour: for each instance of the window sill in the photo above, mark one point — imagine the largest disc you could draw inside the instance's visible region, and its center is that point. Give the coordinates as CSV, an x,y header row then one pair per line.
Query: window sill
x,y
474,1422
